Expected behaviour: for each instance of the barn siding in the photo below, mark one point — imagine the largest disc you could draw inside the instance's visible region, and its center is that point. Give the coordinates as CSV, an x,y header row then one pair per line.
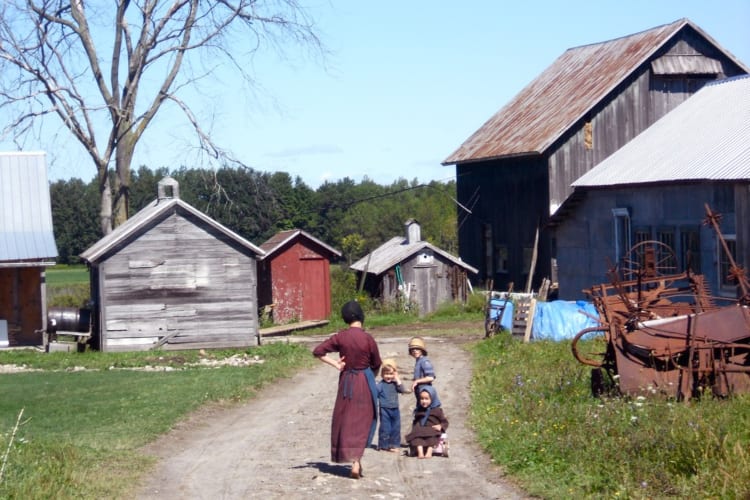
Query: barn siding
x,y
179,279
512,195
585,240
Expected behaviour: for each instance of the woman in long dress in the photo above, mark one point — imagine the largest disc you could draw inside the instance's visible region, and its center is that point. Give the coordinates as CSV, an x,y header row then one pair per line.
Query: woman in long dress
x,y
355,411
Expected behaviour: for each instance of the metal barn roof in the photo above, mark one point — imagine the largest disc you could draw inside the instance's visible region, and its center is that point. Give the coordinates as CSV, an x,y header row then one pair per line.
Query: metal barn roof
x,y
397,250
144,218
26,232
568,89
705,138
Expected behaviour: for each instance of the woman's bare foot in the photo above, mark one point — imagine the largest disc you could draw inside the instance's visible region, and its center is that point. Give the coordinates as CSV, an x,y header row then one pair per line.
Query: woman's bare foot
x,y
356,470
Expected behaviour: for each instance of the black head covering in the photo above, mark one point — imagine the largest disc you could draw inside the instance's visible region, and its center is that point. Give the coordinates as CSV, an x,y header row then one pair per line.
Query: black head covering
x,y
352,312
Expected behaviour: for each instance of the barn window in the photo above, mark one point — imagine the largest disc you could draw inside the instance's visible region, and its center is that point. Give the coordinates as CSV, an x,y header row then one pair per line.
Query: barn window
x,y
641,234
725,283
690,249
501,258
621,232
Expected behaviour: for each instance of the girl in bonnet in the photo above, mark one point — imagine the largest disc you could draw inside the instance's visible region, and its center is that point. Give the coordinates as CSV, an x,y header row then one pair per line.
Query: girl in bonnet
x,y
428,425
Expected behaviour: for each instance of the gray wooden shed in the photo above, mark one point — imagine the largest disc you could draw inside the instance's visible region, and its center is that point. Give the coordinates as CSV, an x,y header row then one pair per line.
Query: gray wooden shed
x,y
516,170
171,277
655,187
27,247
415,272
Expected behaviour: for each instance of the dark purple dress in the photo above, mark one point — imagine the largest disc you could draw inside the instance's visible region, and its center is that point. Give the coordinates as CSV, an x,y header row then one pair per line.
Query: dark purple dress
x,y
354,412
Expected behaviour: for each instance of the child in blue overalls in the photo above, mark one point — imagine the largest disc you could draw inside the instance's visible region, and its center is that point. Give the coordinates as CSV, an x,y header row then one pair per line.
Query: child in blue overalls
x,y
389,387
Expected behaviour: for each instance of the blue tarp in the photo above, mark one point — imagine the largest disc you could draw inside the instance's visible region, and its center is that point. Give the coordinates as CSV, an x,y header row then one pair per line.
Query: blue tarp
x,y
561,319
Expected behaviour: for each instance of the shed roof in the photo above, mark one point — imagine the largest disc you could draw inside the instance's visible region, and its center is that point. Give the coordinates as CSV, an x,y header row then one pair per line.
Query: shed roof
x,y
26,231
157,210
707,137
277,241
397,250
568,89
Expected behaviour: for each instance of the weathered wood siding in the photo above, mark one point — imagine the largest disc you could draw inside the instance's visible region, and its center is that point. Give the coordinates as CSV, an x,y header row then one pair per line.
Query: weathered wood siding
x,y
508,199
585,239
511,196
631,108
22,301
179,283
430,284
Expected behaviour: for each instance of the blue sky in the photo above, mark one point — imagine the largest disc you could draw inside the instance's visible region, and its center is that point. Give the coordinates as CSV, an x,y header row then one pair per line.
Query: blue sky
x,y
405,84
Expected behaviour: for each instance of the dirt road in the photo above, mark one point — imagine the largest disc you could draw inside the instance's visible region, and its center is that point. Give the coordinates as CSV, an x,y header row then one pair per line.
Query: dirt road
x,y
278,444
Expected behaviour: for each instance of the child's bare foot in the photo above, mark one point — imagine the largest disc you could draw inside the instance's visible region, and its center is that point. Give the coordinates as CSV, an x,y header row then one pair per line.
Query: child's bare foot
x,y
428,454
394,450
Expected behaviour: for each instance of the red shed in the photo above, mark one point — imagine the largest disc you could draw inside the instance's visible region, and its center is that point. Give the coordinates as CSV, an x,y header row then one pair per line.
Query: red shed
x,y
294,277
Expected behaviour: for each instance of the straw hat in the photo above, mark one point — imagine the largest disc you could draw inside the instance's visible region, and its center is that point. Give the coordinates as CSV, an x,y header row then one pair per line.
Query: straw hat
x,y
418,343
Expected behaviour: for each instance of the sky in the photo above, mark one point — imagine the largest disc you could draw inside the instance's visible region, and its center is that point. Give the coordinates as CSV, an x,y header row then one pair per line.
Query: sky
x,y
404,84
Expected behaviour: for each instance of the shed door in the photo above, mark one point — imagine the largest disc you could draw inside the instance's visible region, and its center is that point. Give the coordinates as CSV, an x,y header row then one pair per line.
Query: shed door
x,y
426,292
316,296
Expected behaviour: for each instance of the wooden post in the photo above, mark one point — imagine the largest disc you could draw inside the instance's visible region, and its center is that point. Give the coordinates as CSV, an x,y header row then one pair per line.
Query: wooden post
x,y
533,260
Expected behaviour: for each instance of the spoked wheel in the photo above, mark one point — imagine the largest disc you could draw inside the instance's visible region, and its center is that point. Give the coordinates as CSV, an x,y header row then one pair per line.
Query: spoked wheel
x,y
649,259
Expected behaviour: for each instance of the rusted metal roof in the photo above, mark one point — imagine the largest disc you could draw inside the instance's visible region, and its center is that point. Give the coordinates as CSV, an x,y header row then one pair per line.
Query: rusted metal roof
x,y
397,250
563,93
707,137
26,233
278,240
155,211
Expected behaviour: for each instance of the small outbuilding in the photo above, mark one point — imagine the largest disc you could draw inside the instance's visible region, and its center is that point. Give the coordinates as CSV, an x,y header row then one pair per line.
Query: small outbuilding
x,y
27,247
171,277
414,272
294,279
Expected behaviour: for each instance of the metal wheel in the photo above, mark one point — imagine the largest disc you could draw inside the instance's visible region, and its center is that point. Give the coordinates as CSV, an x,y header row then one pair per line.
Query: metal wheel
x,y
649,259
592,351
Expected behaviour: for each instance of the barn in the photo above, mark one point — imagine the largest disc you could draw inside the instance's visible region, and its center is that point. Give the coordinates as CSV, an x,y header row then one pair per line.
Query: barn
x,y
294,278
654,189
171,277
27,247
411,272
516,170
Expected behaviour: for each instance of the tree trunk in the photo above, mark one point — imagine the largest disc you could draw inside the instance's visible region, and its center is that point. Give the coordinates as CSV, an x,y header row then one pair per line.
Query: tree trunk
x,y
105,195
123,157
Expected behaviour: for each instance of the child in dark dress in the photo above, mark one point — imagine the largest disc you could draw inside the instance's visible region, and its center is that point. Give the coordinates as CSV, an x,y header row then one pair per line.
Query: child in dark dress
x,y
428,425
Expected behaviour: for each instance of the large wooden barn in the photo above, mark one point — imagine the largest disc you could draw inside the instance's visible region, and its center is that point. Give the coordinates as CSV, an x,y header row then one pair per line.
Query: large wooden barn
x,y
409,271
27,247
517,168
294,277
655,188
171,277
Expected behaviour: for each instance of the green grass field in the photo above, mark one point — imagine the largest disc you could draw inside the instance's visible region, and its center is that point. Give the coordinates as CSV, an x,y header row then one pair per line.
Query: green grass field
x,y
64,275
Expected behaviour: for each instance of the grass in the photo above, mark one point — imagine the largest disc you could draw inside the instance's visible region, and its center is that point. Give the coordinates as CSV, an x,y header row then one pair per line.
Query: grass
x,y
62,275
534,414
67,286
532,410
81,429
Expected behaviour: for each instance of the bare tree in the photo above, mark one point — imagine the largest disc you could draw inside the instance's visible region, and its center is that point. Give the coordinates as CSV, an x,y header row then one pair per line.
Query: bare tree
x,y
86,62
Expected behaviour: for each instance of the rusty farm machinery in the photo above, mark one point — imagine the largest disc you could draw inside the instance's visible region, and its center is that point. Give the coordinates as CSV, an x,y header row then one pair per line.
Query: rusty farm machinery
x,y
662,332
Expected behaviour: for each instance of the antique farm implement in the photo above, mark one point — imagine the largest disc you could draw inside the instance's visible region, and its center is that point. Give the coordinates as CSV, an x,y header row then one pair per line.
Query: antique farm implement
x,y
662,332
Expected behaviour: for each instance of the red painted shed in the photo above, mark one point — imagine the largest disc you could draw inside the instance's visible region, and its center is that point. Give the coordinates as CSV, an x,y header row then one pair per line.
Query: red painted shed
x,y
294,277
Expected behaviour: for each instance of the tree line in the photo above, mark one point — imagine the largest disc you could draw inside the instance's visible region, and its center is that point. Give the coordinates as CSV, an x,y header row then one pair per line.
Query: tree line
x,y
353,217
